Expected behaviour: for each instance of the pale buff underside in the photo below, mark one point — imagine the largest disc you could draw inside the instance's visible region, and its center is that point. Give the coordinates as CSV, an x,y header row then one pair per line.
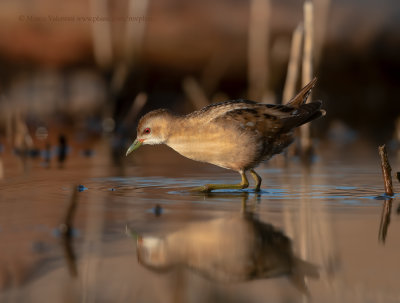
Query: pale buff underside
x,y
222,146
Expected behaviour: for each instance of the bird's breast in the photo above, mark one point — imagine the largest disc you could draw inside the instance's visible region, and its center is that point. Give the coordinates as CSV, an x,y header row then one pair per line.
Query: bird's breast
x,y
223,146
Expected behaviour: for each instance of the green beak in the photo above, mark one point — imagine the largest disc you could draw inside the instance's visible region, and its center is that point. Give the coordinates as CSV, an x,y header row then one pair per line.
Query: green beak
x,y
135,145
131,232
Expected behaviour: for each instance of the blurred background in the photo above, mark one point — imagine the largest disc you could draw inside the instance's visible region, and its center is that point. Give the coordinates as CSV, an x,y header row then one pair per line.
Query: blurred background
x,y
75,78
81,69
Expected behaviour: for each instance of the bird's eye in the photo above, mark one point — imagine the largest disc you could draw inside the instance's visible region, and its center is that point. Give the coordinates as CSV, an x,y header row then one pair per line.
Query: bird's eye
x,y
147,131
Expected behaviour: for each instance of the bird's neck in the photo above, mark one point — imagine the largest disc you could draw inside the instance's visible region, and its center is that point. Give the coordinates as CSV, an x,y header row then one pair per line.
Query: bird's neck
x,y
179,128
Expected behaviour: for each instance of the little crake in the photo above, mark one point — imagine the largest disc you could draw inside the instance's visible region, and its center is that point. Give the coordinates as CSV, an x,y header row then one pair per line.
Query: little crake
x,y
236,134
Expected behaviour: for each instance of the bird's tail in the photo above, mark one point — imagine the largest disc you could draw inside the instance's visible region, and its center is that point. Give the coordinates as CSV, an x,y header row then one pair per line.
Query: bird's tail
x,y
302,96
304,114
314,111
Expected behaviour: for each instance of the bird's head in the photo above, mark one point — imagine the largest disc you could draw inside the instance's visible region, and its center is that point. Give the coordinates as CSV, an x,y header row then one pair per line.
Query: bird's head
x,y
153,128
152,252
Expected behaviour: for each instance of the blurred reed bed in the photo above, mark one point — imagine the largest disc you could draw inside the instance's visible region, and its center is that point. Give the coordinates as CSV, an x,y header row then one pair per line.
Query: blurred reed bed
x,y
243,55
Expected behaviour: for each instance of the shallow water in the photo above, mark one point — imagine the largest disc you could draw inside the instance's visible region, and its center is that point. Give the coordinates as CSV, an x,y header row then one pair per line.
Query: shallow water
x,y
333,214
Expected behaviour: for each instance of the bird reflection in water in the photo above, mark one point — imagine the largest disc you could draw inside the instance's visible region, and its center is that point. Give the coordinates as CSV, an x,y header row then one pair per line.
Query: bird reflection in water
x,y
229,249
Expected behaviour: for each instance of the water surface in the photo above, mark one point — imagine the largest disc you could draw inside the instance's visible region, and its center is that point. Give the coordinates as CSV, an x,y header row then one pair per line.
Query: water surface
x,y
329,213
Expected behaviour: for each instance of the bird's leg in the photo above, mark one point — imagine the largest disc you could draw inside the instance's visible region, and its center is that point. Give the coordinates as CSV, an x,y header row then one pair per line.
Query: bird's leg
x,y
209,187
256,178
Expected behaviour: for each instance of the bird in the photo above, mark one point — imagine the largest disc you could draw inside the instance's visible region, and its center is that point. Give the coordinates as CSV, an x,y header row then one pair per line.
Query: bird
x,y
233,248
236,134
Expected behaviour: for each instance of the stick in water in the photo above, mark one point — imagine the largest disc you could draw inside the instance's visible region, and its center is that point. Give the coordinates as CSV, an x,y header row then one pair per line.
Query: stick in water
x,y
386,170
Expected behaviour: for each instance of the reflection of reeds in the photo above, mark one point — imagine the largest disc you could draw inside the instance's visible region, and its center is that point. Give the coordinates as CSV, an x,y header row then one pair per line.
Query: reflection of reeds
x,y
310,227
385,220
66,229
92,235
307,71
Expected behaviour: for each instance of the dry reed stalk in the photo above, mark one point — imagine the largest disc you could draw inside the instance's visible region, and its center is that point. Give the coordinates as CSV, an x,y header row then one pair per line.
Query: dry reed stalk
x,y
307,72
293,65
101,33
214,70
137,105
258,47
134,31
386,170
131,47
194,92
321,20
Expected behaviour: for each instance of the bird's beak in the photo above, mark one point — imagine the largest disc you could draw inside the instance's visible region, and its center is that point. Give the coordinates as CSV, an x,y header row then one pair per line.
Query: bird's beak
x,y
132,233
135,145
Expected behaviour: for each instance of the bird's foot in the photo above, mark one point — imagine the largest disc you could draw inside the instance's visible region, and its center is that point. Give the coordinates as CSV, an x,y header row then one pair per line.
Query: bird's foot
x,y
210,187
201,189
257,179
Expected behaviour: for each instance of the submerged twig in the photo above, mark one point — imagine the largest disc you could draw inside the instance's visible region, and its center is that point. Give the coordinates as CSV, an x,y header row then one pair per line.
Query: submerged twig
x,y
386,170
385,220
1,169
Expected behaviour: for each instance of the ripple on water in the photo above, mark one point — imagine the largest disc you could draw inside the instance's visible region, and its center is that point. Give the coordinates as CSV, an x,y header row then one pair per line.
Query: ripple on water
x,y
340,194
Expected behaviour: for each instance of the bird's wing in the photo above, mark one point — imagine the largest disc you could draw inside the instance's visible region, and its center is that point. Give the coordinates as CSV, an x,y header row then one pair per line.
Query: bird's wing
x,y
269,119
216,110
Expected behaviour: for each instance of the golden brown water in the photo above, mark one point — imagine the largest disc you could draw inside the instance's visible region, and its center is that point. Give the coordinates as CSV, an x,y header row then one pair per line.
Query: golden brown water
x,y
330,214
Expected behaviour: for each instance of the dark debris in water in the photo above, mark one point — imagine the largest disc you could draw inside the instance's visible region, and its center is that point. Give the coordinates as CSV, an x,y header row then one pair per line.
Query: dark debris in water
x,y
228,191
81,188
157,210
87,153
40,247
383,197
58,232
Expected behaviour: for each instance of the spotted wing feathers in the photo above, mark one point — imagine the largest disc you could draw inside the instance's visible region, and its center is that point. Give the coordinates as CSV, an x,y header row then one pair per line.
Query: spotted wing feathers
x,y
216,110
271,120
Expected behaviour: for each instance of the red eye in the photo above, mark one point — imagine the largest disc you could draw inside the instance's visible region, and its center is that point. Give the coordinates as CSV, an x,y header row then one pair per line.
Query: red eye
x,y
147,131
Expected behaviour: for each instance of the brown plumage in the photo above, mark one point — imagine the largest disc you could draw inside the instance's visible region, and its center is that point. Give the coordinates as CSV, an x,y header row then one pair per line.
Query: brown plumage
x,y
236,134
228,249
